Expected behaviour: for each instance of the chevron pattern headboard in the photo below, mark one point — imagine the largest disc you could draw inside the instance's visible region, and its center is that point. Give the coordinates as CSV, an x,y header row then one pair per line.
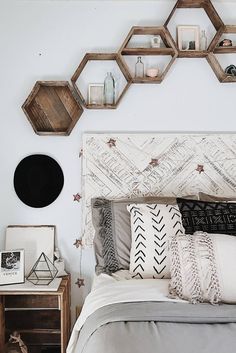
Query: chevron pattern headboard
x,y
117,165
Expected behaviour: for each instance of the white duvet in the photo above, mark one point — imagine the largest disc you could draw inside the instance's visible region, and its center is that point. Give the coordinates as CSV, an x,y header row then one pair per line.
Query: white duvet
x,y
119,288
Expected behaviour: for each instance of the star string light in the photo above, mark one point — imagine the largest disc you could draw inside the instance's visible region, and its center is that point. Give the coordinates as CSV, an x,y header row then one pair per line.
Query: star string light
x,y
200,168
111,143
78,243
77,197
154,162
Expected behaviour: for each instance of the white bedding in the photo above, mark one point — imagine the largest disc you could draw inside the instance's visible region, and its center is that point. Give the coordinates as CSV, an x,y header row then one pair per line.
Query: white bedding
x,y
119,288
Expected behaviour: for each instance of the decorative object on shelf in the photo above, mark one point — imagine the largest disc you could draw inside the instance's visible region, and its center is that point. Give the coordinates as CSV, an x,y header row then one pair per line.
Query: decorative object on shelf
x,y
231,70
15,344
43,271
109,89
38,180
188,37
52,108
152,72
139,68
12,268
59,263
156,41
96,93
77,197
203,40
226,43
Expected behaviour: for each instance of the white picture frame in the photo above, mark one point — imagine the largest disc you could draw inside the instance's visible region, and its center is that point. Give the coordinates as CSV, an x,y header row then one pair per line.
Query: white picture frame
x,y
33,239
96,93
188,38
12,267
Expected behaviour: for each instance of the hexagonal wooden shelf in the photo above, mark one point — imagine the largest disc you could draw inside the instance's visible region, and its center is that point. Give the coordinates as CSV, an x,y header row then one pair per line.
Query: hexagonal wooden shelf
x,y
52,108
216,49
167,49
101,57
212,14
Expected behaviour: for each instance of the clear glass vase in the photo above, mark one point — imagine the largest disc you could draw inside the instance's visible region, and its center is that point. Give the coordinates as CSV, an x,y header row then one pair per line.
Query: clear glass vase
x,y
139,68
203,41
109,89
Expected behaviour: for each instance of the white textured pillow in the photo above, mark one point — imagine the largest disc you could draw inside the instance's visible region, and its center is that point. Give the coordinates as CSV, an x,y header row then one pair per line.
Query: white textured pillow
x,y
203,267
152,225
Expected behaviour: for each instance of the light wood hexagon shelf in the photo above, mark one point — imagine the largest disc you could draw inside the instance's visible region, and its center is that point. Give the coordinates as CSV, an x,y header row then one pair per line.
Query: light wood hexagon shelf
x,y
101,57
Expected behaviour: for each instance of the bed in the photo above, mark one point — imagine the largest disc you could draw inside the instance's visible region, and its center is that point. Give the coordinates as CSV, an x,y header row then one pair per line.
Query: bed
x,y
164,265
130,315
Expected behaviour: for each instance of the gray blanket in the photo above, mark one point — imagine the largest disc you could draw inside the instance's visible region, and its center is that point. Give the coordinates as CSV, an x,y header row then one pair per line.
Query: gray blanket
x,y
154,327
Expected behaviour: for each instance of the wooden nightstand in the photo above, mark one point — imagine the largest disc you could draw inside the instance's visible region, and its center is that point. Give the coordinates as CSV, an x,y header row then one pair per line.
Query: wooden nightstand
x,y
42,318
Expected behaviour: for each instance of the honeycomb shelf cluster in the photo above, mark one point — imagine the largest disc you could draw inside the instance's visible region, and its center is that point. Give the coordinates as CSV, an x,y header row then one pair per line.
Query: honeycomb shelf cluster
x,y
54,107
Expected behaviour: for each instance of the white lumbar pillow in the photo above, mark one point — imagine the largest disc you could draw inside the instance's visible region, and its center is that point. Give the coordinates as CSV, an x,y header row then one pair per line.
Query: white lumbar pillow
x,y
203,267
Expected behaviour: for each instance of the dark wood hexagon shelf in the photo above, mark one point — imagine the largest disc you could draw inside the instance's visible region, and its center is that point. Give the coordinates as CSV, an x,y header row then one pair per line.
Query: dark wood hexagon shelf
x,y
89,57
212,14
52,108
167,49
216,49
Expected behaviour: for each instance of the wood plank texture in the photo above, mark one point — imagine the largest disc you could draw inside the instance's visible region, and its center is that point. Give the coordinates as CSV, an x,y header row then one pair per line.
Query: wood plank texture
x,y
43,318
148,51
52,108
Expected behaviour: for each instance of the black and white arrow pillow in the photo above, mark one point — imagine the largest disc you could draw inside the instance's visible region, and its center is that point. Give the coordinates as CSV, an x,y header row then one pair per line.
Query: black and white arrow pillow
x,y
152,226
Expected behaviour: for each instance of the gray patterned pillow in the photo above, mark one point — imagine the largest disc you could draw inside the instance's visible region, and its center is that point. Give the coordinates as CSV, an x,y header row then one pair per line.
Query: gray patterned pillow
x,y
111,220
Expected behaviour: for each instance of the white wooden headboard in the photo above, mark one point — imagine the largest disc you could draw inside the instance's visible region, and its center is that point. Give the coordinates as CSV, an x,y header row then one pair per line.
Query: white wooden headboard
x,y
117,165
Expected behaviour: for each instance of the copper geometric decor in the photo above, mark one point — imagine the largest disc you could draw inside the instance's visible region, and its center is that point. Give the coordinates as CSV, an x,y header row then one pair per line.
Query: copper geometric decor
x,y
43,271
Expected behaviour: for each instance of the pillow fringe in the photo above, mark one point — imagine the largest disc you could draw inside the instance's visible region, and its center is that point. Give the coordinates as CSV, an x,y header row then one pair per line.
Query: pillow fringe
x,y
111,263
197,257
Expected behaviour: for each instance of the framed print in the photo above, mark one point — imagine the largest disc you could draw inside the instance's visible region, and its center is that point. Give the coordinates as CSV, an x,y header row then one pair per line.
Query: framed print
x,y
96,93
33,239
188,37
12,267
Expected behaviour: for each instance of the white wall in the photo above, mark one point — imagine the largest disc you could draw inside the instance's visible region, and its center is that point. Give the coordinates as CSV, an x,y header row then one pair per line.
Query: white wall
x,y
45,40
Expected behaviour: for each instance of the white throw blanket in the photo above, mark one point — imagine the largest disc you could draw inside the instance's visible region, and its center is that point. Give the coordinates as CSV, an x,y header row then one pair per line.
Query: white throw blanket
x,y
119,288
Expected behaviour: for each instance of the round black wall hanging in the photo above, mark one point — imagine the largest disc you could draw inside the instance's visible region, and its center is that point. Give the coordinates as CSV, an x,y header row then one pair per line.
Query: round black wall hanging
x,y
38,180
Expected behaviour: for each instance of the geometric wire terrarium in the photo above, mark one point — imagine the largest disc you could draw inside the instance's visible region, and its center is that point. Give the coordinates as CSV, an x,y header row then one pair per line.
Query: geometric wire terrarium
x,y
43,271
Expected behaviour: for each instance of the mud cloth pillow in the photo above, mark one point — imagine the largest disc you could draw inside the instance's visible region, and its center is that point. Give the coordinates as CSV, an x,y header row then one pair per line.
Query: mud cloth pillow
x,y
210,217
202,266
112,241
152,226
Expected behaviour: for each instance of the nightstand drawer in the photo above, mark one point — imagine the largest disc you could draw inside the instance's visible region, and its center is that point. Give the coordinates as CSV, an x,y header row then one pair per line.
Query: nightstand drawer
x,y
32,301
